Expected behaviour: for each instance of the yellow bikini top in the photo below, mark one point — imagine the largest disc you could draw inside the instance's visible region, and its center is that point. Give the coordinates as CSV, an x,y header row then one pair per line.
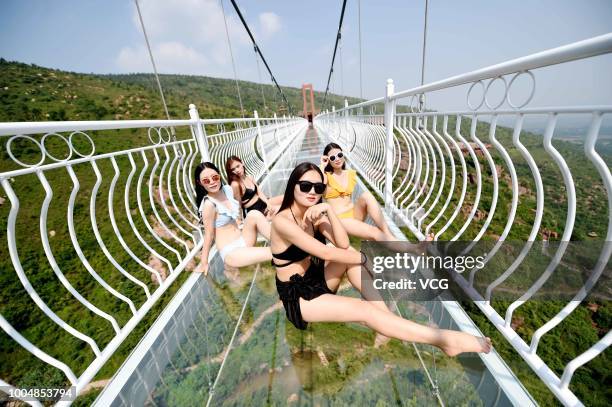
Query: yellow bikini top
x,y
335,190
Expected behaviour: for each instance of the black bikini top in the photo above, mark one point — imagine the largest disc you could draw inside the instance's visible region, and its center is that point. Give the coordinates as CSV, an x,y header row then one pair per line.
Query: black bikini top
x,y
248,193
293,253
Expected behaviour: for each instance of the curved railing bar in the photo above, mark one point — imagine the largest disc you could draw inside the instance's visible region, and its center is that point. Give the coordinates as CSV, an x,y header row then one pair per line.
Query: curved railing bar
x,y
131,220
539,204
604,257
12,244
152,203
162,199
451,190
94,225
111,213
568,228
77,246
27,345
478,177
171,194
439,142
51,258
179,178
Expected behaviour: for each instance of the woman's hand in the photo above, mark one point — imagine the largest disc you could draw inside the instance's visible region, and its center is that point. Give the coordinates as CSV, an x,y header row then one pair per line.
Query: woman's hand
x,y
271,211
316,212
324,161
202,268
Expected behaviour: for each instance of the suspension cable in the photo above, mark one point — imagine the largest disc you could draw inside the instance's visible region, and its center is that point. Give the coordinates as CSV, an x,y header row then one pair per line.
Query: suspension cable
x,y
331,69
341,69
161,92
258,50
360,66
229,45
424,45
263,96
422,96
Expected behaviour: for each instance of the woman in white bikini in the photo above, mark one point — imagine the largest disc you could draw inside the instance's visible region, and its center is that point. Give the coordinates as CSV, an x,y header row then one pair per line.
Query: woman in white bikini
x,y
220,211
308,272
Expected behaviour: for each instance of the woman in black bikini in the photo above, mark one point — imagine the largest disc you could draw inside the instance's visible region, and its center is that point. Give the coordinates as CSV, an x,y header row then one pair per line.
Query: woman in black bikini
x,y
308,272
250,198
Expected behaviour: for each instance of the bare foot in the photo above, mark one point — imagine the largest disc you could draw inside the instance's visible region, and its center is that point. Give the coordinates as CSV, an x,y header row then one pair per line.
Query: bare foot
x,y
455,342
380,340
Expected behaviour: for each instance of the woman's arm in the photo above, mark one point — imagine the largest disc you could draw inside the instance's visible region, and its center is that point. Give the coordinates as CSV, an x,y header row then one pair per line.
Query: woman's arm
x,y
322,165
260,193
238,197
330,226
208,219
236,192
293,234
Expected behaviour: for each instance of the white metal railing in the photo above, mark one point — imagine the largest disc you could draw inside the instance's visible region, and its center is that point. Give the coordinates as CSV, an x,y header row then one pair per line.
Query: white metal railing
x,y
146,193
432,173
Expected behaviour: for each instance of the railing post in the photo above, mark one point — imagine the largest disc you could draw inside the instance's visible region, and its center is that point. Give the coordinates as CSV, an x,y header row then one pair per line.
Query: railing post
x,y
276,132
346,119
260,138
199,132
389,146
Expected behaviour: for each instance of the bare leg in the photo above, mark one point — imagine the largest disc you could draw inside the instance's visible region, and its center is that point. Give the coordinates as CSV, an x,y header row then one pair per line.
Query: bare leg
x,y
354,276
362,230
247,256
333,276
367,205
276,200
335,308
253,223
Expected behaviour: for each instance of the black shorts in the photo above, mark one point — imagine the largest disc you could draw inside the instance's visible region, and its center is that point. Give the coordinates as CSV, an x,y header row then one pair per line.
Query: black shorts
x,y
259,205
309,286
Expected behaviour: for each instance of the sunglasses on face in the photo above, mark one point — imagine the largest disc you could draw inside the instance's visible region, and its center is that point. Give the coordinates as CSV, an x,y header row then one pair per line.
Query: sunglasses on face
x,y
333,157
306,186
207,181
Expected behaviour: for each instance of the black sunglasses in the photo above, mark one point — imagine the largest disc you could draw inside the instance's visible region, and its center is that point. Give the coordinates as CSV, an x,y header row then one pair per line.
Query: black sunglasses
x,y
333,157
306,186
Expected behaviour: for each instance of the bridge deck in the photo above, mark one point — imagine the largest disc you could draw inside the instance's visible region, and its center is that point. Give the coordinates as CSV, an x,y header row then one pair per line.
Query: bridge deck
x,y
225,341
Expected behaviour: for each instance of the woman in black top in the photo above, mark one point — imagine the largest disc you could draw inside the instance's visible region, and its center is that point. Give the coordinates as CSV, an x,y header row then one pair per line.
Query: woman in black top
x,y
246,190
308,272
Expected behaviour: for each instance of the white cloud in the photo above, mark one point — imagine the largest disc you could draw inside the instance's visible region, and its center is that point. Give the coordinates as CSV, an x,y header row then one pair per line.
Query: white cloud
x,y
170,57
270,23
187,36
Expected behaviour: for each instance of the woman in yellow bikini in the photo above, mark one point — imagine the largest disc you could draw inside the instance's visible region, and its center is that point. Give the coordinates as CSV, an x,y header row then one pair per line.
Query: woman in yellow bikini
x,y
340,185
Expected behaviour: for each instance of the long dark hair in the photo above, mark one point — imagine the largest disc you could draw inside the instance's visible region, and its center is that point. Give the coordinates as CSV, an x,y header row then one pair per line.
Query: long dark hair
x,y
328,167
199,188
228,169
295,176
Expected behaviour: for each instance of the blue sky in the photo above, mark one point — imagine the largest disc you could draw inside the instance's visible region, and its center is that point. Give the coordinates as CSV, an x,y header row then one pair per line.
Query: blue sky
x,y
103,36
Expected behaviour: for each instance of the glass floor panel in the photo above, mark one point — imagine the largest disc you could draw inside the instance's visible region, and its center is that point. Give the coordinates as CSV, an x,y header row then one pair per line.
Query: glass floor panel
x,y
195,362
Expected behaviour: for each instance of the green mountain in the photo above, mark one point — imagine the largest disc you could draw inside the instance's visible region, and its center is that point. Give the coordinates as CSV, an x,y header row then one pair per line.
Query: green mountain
x,y
34,93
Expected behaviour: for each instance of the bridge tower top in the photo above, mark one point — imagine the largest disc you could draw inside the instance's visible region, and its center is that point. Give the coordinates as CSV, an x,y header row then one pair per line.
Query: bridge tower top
x,y
308,111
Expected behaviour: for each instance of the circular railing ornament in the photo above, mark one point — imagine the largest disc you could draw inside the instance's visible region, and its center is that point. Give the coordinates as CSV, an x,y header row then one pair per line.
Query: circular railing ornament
x,y
486,93
9,150
159,136
74,149
533,87
168,133
48,153
469,103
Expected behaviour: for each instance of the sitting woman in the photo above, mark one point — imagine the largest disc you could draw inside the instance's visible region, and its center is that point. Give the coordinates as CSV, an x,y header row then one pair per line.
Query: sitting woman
x,y
308,272
340,185
219,212
247,191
